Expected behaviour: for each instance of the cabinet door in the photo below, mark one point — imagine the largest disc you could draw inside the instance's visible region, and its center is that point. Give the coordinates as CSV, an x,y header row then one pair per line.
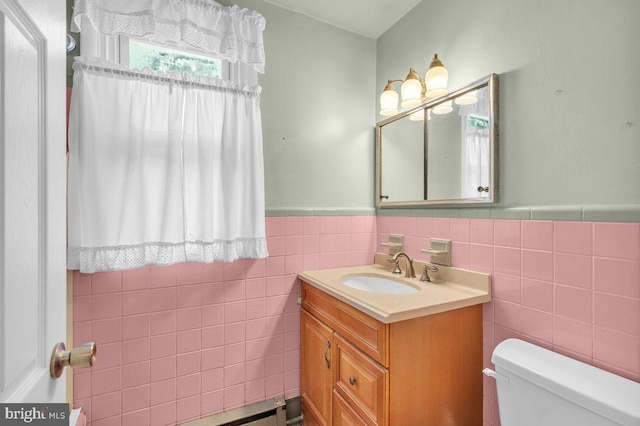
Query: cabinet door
x,y
315,368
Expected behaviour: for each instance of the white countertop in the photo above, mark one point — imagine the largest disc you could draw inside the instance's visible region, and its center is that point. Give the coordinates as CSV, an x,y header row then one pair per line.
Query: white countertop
x,y
457,288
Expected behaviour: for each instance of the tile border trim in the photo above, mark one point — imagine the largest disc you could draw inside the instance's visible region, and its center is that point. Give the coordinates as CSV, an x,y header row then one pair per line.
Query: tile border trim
x,y
590,213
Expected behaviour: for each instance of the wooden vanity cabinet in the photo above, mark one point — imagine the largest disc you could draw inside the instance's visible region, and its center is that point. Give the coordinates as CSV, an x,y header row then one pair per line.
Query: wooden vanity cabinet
x,y
356,370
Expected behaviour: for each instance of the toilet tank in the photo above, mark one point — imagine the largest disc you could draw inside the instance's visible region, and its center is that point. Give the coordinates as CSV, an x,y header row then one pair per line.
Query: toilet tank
x,y
539,387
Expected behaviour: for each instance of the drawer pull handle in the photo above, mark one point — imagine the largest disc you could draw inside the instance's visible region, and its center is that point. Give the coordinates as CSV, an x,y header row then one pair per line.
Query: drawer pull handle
x,y
352,380
325,354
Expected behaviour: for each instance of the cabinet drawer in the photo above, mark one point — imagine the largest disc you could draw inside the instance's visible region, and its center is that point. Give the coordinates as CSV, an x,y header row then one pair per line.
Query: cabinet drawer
x,y
343,415
366,333
361,381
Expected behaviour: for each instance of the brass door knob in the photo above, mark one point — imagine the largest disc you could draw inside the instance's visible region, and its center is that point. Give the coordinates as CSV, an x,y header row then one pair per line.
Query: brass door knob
x,y
79,357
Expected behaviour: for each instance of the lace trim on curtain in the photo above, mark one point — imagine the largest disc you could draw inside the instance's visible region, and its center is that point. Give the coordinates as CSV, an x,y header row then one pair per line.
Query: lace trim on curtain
x,y
98,65
229,33
99,259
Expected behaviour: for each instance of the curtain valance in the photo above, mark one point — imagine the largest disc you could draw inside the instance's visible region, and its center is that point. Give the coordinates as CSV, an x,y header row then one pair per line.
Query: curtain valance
x,y
162,171
230,33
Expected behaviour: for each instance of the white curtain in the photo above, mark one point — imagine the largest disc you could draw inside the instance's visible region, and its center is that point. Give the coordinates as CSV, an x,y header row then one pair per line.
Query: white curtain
x,y
162,171
476,159
230,33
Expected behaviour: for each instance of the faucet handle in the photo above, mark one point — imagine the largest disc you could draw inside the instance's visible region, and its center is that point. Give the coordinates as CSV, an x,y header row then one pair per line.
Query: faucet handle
x,y
425,272
396,267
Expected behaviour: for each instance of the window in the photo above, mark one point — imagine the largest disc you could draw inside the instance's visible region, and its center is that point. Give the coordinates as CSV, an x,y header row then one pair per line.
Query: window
x,y
163,60
119,49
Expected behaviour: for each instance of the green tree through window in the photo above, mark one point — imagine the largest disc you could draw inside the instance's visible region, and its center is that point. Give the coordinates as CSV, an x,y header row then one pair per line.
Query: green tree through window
x,y
162,60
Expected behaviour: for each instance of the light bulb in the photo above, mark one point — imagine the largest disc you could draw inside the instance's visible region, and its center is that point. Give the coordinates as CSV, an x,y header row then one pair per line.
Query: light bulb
x,y
468,98
436,79
411,90
417,116
389,100
443,108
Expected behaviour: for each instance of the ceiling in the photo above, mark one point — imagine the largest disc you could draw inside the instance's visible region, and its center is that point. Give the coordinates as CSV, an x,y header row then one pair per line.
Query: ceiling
x,y
370,18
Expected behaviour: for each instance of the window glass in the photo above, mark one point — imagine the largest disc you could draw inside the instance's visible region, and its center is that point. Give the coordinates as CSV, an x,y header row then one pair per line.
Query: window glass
x,y
163,60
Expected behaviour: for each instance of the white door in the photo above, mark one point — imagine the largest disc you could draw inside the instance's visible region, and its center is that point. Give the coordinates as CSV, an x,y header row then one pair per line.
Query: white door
x,y
32,197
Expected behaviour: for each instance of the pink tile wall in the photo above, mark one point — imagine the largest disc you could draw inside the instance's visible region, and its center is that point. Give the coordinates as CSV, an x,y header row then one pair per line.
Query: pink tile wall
x,y
572,287
182,342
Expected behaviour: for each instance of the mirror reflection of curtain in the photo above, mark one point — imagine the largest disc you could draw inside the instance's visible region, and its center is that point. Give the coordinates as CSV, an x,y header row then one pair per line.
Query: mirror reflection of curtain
x,y
476,153
475,165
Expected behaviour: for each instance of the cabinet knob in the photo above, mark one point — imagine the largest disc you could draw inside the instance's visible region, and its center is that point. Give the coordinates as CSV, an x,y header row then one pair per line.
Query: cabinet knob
x,y
352,380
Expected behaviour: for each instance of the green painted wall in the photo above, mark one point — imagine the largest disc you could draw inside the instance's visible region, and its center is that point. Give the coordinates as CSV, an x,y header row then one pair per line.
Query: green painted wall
x,y
318,113
569,110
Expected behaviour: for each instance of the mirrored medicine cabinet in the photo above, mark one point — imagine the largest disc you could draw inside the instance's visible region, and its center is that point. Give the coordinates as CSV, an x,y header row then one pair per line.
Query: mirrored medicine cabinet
x,y
444,151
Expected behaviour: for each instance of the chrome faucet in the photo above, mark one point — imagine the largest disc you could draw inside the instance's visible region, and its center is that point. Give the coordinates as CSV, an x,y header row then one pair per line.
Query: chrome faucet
x,y
410,273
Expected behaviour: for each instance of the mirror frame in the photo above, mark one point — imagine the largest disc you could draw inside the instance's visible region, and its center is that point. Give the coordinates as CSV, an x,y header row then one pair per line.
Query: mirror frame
x,y
491,82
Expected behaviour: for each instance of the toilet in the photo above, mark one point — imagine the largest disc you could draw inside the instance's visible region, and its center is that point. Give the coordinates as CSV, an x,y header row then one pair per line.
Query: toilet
x,y
539,387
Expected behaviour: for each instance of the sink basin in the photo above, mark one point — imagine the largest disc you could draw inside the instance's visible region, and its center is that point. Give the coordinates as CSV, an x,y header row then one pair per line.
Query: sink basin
x,y
377,284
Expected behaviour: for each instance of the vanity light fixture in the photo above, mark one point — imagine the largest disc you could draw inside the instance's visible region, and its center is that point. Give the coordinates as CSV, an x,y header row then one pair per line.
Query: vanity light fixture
x,y
467,98
414,89
419,115
437,79
443,108
389,100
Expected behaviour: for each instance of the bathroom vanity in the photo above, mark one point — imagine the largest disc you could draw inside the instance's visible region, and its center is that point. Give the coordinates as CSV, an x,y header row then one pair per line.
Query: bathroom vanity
x,y
392,359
